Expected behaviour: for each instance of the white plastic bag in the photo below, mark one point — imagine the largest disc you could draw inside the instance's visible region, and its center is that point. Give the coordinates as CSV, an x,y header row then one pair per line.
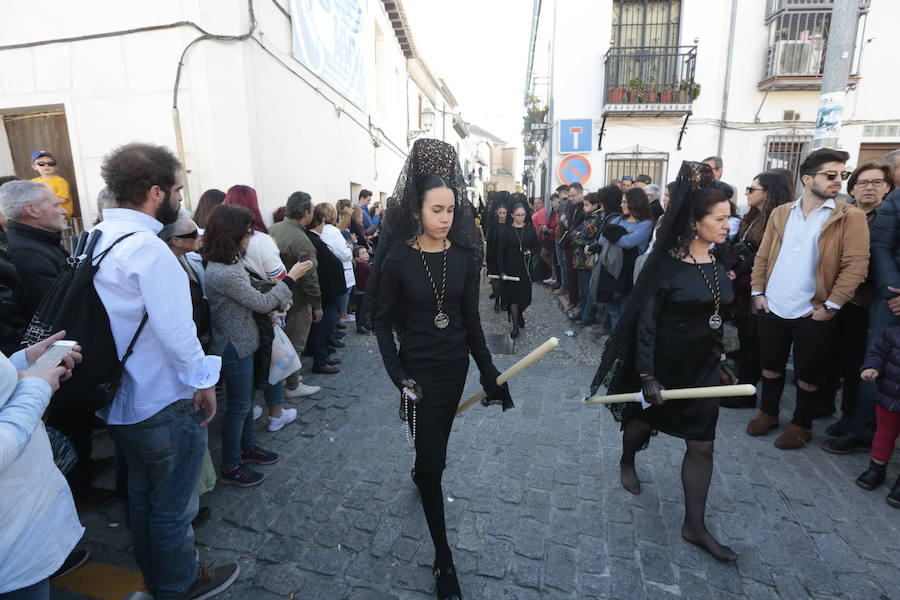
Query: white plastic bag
x,y
284,358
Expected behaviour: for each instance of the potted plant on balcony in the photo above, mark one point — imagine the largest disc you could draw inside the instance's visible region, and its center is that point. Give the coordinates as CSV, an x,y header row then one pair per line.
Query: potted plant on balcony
x,y
665,95
529,149
649,95
616,95
696,93
634,90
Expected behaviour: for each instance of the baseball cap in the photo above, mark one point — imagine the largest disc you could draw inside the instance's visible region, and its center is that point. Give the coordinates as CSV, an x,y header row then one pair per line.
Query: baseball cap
x,y
40,153
643,178
628,177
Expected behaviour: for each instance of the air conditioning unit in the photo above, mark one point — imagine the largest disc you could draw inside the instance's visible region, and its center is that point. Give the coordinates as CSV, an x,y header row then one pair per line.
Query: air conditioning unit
x,y
798,57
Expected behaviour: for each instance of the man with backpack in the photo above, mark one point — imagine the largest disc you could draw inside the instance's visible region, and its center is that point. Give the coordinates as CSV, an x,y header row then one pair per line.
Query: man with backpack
x,y
166,394
36,218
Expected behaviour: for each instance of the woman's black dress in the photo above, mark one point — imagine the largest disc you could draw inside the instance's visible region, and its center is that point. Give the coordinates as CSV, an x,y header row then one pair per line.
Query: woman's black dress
x,y
514,243
437,359
492,237
677,345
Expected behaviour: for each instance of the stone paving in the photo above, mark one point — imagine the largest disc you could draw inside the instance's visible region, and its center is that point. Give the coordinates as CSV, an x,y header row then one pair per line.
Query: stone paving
x,y
534,506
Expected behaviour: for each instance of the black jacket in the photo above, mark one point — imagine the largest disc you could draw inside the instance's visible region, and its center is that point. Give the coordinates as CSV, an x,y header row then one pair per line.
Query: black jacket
x,y
329,268
885,245
39,258
12,302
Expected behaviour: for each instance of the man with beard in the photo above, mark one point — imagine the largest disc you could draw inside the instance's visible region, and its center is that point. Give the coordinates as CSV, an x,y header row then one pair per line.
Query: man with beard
x,y
167,394
36,218
813,255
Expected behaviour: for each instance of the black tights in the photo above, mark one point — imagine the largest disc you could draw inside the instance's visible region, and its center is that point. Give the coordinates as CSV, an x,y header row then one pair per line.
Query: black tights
x,y
696,473
433,504
514,314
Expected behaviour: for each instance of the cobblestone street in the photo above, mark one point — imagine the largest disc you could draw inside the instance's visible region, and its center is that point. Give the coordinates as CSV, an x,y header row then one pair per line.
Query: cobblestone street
x,y
534,505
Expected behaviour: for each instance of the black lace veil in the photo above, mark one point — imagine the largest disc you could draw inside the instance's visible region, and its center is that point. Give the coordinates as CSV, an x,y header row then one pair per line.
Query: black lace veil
x,y
401,222
617,371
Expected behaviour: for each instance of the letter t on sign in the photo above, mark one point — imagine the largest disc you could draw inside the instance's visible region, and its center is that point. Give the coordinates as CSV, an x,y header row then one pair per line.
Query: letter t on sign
x,y
575,131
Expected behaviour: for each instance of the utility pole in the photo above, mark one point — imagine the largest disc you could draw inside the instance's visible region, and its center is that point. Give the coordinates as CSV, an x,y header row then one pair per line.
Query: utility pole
x,y
838,59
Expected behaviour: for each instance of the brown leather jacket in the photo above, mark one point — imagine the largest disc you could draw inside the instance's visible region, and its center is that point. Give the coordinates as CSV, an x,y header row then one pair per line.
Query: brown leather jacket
x,y
843,253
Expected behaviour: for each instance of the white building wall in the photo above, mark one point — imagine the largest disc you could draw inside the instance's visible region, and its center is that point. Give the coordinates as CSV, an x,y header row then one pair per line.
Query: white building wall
x,y
583,31
245,118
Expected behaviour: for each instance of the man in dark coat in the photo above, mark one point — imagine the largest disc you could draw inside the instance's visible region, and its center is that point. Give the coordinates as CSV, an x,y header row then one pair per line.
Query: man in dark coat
x,y
36,221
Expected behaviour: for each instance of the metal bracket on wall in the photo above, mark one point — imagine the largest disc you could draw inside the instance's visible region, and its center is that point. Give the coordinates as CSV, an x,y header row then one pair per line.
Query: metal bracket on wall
x,y
683,129
602,131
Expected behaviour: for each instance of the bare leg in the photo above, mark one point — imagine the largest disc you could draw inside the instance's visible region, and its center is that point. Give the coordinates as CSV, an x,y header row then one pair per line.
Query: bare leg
x,y
634,437
696,473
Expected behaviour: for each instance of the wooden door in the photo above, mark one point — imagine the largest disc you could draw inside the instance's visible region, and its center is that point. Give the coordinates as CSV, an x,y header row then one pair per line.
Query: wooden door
x,y
45,130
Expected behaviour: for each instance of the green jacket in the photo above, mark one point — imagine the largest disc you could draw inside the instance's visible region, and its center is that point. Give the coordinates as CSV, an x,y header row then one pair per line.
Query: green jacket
x,y
291,238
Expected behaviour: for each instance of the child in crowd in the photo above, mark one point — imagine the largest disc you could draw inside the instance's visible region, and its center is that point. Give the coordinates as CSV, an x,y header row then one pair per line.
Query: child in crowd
x,y
44,163
882,365
361,268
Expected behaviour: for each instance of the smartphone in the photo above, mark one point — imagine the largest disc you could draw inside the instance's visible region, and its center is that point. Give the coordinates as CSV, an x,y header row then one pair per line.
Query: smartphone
x,y
51,357
304,255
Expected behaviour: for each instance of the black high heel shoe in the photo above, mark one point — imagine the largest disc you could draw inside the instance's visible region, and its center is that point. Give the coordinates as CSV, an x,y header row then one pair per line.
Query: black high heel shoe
x,y
497,305
447,584
515,331
521,320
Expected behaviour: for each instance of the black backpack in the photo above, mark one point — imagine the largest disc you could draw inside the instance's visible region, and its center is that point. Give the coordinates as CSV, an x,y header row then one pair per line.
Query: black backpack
x,y
72,303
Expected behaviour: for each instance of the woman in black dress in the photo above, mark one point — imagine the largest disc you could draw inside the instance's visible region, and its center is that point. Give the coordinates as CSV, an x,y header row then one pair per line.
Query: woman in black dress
x,y
425,286
670,336
494,226
517,244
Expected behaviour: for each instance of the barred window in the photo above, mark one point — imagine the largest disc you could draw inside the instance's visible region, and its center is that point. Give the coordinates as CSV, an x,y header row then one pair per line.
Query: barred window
x,y
787,152
653,165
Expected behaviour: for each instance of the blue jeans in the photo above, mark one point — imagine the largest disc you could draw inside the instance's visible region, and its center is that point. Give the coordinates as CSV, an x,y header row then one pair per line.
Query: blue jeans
x,y
164,454
319,334
37,591
588,305
862,422
237,428
561,267
614,310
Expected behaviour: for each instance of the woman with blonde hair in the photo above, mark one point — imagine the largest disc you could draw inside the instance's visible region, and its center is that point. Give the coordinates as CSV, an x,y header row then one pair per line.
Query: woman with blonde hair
x,y
343,250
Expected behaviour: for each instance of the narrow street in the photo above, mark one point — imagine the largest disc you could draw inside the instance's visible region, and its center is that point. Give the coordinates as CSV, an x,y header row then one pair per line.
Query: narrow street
x,y
534,505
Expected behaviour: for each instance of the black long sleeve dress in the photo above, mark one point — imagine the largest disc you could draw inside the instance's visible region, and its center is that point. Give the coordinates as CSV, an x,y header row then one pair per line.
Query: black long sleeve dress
x,y
677,345
513,243
437,359
492,237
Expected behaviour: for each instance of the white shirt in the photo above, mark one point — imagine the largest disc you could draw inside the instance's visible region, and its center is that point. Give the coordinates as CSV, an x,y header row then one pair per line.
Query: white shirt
x,y
262,257
335,241
792,285
141,274
40,526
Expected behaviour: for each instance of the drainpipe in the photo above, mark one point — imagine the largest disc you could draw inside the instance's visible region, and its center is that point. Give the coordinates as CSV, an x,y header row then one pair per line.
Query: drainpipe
x,y
727,77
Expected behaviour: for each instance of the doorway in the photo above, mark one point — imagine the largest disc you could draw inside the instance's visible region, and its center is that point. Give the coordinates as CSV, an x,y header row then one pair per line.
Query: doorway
x,y
30,130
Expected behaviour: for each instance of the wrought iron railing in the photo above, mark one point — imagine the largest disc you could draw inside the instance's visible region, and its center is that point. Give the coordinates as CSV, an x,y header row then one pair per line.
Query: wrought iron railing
x,y
651,76
773,7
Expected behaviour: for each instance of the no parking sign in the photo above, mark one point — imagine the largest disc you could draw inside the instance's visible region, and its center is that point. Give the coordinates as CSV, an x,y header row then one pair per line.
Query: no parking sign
x,y
574,168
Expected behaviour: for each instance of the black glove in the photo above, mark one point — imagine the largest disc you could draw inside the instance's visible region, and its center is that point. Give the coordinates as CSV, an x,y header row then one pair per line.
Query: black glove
x,y
652,390
726,375
495,394
411,392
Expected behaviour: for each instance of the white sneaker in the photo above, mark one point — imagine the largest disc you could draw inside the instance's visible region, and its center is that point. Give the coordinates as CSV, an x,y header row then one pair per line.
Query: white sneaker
x,y
257,411
288,415
348,319
302,390
550,281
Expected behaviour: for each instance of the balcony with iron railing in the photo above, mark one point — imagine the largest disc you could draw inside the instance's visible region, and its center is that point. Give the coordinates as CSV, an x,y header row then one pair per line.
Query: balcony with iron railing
x,y
645,81
774,7
798,38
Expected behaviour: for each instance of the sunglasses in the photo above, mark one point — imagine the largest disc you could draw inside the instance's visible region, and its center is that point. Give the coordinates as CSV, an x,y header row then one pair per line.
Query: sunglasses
x,y
750,189
189,236
832,175
46,164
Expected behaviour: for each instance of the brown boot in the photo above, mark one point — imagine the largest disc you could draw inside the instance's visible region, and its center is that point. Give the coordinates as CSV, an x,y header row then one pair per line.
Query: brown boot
x,y
793,438
762,424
